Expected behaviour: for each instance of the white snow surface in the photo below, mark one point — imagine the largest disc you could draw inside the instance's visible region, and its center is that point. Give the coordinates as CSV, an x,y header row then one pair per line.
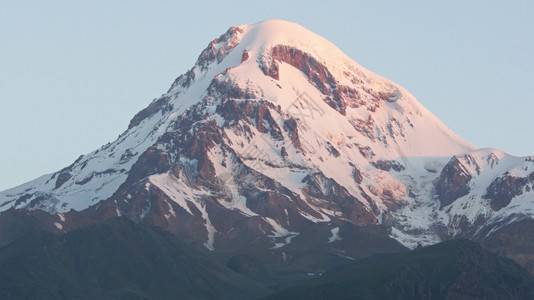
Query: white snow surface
x,y
335,235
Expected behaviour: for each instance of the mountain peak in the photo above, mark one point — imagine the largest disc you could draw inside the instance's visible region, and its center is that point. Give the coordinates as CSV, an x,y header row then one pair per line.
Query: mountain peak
x,y
274,128
258,39
279,82
269,33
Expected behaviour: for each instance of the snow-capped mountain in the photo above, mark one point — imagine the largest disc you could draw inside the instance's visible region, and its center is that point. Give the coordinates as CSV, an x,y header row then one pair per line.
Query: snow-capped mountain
x,y
275,131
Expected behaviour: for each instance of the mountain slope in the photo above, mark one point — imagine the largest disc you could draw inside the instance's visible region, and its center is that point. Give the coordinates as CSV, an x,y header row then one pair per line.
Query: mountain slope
x,y
456,269
273,131
115,260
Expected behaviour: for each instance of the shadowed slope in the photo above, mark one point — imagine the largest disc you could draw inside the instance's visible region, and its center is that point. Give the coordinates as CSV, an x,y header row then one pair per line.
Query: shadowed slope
x,y
456,269
113,260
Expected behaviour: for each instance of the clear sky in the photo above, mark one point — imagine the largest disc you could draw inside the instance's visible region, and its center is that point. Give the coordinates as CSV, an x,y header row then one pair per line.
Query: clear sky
x,y
73,73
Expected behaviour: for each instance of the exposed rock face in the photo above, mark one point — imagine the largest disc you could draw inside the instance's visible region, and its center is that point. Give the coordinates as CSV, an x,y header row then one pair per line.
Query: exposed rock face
x,y
388,165
316,72
338,96
244,57
320,187
452,183
503,189
158,105
219,48
62,178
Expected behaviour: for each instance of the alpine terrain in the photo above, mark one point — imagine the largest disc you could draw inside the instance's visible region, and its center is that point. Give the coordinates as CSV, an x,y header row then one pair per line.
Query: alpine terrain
x,y
276,149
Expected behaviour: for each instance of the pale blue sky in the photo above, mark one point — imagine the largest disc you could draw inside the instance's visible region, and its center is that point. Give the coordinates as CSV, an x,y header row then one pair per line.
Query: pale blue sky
x,y
73,73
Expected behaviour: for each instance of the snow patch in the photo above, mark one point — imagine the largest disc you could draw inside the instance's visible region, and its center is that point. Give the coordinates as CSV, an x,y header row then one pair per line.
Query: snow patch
x,y
335,235
58,226
280,235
